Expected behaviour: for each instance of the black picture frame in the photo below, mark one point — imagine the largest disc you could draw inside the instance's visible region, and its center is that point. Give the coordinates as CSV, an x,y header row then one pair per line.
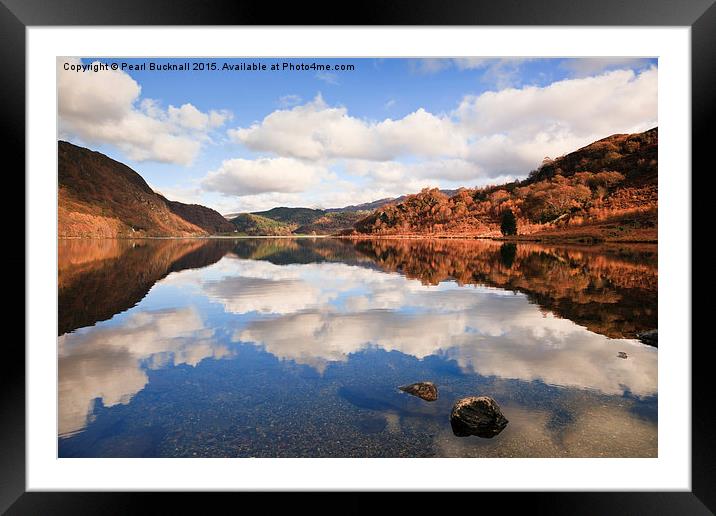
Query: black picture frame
x,y
17,15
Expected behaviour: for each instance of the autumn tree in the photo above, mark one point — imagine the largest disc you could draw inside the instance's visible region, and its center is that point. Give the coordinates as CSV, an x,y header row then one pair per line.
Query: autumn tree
x,y
547,200
509,223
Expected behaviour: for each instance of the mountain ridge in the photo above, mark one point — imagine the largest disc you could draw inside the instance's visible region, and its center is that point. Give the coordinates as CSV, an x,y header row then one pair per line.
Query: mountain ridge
x,y
101,197
607,190
366,206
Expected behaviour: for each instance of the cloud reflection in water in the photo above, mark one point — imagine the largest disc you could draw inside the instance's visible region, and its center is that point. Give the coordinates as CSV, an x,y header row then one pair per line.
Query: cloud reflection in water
x,y
110,361
324,312
338,311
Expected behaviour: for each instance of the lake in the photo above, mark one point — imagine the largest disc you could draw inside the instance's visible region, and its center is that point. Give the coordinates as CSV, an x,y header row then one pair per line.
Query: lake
x,y
274,347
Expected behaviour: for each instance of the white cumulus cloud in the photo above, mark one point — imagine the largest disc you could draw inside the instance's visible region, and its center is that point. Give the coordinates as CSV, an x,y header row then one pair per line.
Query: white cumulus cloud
x,y
317,131
111,362
499,134
615,101
104,107
248,177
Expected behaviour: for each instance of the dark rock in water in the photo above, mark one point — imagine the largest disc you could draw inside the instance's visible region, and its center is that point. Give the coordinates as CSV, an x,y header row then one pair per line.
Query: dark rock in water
x,y
424,390
648,337
622,354
477,415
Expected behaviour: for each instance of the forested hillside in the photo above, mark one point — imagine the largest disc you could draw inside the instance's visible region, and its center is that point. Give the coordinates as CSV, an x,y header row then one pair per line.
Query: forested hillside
x,y
604,191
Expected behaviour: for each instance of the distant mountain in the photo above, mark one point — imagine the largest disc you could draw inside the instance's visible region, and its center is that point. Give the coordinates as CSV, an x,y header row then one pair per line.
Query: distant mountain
x,y
206,218
307,215
332,223
367,206
101,197
307,221
607,190
370,206
604,191
296,221
257,225
291,215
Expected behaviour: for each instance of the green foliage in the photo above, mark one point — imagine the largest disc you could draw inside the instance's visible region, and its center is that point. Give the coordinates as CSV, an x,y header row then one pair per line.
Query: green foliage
x,y
332,223
256,225
298,216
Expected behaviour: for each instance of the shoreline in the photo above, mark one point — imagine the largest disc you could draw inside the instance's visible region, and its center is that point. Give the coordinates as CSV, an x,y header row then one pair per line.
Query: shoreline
x,y
189,237
512,239
518,239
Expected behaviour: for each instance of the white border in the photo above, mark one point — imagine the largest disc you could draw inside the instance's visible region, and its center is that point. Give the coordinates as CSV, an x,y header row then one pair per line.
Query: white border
x,y
670,471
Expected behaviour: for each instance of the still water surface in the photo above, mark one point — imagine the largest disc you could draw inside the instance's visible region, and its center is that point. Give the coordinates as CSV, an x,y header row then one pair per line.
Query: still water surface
x,y
296,347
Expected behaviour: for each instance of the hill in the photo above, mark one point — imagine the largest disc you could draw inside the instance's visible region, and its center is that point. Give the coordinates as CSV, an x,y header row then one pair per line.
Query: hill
x,y
291,215
366,206
607,190
256,225
332,223
299,221
307,221
370,206
604,191
101,197
633,155
206,218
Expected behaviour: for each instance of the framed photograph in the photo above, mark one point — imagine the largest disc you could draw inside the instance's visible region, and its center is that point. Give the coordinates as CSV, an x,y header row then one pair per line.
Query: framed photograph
x,y
416,250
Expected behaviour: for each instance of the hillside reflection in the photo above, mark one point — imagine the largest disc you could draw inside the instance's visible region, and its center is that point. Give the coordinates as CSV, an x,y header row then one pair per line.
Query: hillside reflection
x,y
611,290
98,278
295,347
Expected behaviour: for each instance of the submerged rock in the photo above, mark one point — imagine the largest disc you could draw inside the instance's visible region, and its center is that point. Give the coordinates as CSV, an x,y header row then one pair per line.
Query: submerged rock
x,y
648,337
622,354
424,390
477,415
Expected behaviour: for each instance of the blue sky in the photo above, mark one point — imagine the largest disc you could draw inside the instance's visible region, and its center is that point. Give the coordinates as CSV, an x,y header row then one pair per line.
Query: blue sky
x,y
251,140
